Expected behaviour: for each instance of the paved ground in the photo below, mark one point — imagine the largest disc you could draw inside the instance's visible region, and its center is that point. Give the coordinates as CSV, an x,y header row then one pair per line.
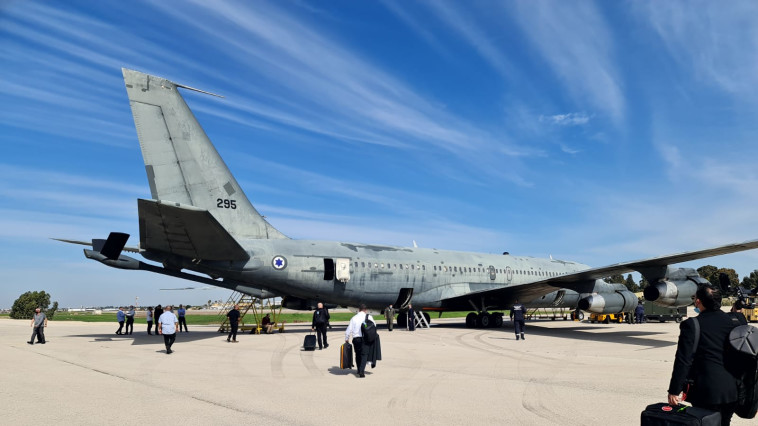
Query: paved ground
x,y
564,373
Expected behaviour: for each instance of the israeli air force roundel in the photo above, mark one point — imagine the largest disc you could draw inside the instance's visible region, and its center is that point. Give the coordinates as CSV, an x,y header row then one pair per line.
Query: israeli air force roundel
x,y
279,262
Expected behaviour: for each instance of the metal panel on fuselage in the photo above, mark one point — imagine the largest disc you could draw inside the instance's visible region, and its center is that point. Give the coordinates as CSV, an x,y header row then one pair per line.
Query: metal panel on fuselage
x,y
378,273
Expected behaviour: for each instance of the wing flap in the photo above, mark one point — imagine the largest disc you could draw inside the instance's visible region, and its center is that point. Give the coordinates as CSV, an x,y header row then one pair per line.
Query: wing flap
x,y
185,231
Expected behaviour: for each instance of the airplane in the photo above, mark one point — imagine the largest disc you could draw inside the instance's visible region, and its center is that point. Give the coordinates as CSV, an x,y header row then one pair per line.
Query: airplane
x,y
198,225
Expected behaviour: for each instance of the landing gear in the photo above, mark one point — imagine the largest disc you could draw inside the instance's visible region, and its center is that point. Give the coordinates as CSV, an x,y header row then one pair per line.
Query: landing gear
x,y
497,320
484,320
427,317
471,320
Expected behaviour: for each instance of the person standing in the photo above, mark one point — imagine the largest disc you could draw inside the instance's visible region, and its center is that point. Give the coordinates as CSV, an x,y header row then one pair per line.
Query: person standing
x,y
389,314
167,327
361,347
181,312
714,387
411,318
130,320
517,316
156,316
234,318
39,322
320,319
149,317
121,317
639,313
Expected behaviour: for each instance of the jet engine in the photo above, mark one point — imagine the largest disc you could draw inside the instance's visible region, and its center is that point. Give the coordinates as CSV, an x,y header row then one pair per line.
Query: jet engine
x,y
676,289
671,293
609,303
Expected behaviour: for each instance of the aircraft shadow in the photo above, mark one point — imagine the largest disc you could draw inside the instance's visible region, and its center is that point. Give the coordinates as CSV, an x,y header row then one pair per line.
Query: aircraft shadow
x,y
143,338
628,336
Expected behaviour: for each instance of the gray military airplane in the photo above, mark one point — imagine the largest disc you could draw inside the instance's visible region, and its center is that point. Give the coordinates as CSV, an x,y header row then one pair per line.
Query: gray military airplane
x,y
199,219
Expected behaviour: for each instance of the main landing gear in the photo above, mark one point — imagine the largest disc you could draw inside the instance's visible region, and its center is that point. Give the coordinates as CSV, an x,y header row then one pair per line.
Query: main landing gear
x,y
484,320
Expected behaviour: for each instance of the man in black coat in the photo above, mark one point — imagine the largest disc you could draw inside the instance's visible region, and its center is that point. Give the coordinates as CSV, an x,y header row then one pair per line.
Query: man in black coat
x,y
320,320
714,387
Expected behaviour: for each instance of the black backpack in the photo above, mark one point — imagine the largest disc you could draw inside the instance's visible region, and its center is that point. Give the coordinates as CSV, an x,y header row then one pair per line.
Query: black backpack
x,y
368,329
743,348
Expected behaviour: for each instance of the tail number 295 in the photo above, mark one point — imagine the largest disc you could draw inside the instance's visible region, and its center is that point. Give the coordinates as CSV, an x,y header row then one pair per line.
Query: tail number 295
x,y
226,204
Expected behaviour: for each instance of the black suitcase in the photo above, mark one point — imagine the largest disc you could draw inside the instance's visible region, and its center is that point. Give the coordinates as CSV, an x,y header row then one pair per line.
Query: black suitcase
x,y
346,356
310,342
663,414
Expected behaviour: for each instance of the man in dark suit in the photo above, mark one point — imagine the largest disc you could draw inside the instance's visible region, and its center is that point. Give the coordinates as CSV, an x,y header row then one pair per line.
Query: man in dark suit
x,y
714,387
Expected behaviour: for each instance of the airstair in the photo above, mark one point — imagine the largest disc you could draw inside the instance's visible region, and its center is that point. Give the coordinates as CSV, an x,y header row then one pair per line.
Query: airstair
x,y
420,320
250,305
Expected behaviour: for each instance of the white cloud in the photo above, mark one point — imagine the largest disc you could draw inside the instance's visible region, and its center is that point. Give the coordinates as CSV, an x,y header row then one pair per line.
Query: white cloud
x,y
577,43
717,42
570,119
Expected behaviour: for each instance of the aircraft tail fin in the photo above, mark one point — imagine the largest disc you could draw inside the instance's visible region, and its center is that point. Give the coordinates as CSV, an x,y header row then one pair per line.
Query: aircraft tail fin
x,y
182,164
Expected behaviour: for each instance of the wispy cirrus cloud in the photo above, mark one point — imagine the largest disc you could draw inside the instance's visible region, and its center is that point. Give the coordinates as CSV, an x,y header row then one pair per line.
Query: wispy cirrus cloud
x,y
717,44
577,43
569,119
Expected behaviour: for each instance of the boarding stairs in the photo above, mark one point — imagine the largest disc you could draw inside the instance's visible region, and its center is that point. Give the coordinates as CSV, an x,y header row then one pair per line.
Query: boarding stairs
x,y
420,320
249,305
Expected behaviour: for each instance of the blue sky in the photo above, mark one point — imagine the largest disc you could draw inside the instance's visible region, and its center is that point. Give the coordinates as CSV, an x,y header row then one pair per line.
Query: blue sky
x,y
592,131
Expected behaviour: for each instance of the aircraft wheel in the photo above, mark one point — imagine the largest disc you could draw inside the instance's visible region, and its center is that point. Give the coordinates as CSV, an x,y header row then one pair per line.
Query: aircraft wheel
x,y
402,320
497,320
471,320
678,319
427,317
484,320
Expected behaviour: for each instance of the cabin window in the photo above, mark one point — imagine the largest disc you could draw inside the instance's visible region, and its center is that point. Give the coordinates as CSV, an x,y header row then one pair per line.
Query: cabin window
x,y
363,264
423,267
376,265
406,266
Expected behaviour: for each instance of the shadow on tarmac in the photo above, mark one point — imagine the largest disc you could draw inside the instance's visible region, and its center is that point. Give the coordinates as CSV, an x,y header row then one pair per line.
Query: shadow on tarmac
x,y
624,334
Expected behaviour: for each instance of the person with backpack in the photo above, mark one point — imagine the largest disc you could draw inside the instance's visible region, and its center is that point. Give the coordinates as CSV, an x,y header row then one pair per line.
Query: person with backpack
x,y
363,330
320,319
700,355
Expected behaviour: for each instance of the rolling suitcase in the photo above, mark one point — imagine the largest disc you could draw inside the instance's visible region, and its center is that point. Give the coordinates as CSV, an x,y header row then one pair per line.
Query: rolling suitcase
x,y
346,356
310,342
663,414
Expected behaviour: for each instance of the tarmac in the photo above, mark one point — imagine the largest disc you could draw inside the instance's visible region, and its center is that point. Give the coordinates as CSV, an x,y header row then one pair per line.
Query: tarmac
x,y
565,372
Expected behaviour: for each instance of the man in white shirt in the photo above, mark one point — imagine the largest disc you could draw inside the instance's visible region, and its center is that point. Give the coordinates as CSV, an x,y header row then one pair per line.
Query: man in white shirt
x,y
361,348
167,324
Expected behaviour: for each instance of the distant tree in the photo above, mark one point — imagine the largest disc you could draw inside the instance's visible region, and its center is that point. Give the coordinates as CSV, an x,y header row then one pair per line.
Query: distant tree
x,y
208,305
750,281
631,285
24,306
643,283
618,278
710,273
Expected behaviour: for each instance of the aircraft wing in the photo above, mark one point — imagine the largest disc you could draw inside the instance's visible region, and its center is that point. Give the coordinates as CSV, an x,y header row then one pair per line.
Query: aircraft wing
x,y
583,281
186,231
653,264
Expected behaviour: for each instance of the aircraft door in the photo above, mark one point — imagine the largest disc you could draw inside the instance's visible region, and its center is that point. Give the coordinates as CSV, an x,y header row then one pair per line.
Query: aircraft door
x,y
328,269
493,272
403,298
343,270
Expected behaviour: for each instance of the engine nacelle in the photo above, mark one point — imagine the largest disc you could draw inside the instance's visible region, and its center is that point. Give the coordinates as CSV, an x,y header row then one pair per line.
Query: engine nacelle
x,y
609,303
671,293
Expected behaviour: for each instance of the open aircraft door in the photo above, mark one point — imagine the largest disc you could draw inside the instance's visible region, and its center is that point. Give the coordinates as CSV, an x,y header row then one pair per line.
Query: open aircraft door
x,y
337,268
343,270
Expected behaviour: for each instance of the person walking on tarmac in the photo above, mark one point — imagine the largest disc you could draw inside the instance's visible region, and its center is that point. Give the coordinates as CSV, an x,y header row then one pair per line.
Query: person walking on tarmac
x,y
320,319
517,316
389,315
639,313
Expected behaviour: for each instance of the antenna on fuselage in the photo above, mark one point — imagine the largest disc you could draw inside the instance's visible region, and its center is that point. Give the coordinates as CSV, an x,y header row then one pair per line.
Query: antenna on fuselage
x,y
414,244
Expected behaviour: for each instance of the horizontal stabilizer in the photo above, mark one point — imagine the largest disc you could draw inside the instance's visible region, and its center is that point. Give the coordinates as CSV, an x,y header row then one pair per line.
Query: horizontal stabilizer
x,y
113,245
96,244
185,231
